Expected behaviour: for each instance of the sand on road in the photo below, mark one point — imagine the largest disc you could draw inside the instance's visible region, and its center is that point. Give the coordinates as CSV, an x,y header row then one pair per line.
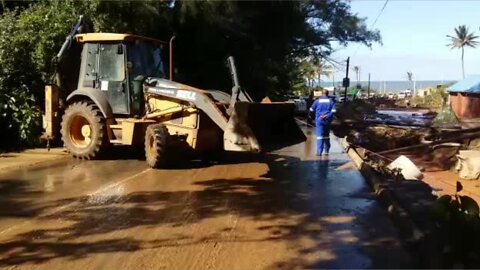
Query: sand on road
x,y
286,209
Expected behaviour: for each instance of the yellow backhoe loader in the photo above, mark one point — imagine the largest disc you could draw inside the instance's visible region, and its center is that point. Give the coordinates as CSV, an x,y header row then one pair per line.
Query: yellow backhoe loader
x,y
111,90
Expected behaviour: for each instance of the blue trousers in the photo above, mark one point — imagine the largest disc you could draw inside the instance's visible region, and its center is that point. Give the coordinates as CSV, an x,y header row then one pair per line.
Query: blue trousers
x,y
323,137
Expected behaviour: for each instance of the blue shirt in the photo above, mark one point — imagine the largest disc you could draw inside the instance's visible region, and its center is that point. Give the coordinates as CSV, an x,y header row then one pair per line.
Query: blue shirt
x,y
321,106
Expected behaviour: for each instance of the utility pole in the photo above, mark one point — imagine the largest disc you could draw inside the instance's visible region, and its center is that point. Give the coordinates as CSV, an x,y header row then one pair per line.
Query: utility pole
x,y
346,81
333,83
368,89
414,87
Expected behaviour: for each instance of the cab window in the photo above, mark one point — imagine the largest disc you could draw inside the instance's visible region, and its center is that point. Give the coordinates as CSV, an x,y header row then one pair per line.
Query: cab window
x,y
111,63
145,59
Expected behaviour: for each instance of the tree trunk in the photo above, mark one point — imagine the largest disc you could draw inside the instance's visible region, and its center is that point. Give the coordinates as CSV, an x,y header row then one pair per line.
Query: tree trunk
x,y
463,64
414,88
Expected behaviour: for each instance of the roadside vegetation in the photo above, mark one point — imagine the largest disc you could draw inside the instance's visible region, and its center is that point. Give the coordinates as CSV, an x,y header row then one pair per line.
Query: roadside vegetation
x,y
271,40
459,223
434,98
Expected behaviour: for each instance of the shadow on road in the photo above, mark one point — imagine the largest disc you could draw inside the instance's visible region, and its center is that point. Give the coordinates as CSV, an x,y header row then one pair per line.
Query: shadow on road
x,y
24,192
312,200
14,199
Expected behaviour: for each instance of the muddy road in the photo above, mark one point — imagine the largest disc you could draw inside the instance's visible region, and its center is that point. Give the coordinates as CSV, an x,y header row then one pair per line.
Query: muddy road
x,y
281,210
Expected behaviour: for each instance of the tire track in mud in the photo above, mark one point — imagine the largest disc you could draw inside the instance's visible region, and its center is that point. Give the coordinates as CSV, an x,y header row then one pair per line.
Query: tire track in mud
x,y
210,245
226,235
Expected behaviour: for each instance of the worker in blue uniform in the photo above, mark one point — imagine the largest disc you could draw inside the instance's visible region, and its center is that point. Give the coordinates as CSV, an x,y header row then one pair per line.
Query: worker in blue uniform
x,y
323,108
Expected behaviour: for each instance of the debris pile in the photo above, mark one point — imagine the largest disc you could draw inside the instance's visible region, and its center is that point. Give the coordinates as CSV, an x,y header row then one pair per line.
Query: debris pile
x,y
351,116
382,137
430,139
393,147
355,110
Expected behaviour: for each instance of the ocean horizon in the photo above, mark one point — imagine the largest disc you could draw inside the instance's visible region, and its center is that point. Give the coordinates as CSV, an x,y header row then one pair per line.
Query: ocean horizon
x,y
390,86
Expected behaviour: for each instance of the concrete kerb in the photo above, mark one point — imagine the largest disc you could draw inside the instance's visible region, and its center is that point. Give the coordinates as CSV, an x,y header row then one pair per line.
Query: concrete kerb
x,y
422,244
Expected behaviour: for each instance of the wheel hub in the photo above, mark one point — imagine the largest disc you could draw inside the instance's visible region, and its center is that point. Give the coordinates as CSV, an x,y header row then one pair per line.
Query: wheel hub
x,y
80,131
86,133
86,130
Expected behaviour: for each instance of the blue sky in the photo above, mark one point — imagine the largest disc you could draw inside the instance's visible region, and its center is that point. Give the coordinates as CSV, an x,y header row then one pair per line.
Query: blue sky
x,y
414,39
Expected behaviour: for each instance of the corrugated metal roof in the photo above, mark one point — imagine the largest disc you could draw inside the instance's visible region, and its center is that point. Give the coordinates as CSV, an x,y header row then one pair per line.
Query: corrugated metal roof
x,y
470,84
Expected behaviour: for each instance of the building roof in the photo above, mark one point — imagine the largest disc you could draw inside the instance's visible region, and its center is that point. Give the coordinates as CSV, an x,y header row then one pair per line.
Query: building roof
x,y
470,84
95,37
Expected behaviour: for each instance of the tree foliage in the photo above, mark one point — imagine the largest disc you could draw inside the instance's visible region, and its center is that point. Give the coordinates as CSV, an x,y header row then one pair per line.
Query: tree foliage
x,y
434,97
270,40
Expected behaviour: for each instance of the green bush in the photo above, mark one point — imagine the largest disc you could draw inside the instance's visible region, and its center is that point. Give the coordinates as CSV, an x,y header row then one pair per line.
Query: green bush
x,y
459,221
445,117
436,98
28,41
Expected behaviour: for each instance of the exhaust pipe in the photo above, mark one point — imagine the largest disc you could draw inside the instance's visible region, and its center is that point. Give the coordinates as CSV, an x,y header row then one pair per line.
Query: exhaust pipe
x,y
171,57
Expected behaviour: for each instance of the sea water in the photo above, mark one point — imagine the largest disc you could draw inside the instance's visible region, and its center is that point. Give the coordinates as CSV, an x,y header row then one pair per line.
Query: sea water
x,y
390,86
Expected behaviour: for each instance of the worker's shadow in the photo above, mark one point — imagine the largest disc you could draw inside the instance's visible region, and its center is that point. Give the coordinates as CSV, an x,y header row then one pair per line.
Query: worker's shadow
x,y
323,165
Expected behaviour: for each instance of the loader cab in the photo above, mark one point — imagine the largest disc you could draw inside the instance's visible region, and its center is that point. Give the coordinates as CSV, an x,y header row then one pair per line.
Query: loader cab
x,y
117,65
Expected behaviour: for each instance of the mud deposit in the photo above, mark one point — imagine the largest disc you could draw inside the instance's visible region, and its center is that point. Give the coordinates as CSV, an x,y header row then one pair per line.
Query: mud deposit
x,y
286,209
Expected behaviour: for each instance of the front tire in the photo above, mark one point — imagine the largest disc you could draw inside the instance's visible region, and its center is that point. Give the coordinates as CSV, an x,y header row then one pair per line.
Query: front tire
x,y
83,130
156,144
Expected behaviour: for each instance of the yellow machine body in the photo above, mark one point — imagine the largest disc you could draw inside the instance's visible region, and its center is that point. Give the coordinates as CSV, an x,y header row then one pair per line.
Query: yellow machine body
x,y
111,91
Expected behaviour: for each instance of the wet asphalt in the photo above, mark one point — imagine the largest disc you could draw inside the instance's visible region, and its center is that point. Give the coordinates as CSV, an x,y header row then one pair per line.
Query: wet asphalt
x,y
286,209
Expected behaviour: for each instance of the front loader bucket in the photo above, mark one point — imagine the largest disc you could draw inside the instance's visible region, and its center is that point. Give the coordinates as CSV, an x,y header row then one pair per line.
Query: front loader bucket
x,y
262,127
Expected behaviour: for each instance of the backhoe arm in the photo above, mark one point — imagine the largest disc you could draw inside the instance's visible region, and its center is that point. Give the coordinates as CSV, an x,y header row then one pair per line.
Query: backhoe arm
x,y
237,92
83,25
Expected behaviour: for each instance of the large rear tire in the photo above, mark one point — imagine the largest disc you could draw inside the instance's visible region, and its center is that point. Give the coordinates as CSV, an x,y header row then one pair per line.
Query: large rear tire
x,y
83,130
156,144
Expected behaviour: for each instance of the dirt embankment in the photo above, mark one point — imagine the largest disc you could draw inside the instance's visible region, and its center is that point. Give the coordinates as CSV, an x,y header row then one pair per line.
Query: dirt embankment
x,y
381,138
352,122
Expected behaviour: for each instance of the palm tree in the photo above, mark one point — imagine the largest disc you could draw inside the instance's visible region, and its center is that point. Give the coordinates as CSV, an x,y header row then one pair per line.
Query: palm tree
x,y
410,79
308,71
313,68
462,39
323,68
357,71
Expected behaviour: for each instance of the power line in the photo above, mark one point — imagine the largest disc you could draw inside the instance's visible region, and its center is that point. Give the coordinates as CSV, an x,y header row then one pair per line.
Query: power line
x,y
373,24
340,64
380,13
